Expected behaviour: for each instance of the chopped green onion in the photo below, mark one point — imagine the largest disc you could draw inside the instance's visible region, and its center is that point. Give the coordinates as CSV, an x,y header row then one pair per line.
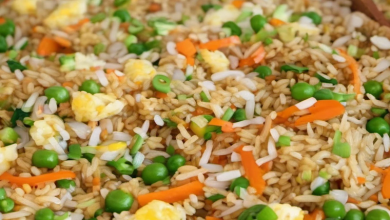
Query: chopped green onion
x,y
268,41
137,48
118,3
18,115
352,50
67,62
90,150
98,17
326,94
131,39
264,34
281,13
324,174
153,44
89,156
325,80
170,123
246,36
98,212
208,117
375,54
135,27
379,111
258,22
184,18
283,141
12,54
188,78
341,149
15,65
239,115
243,16
3,45
295,17
122,14
215,197
322,190
267,214
233,27
122,166
228,114
306,175
204,97
136,144
161,83
170,150
181,97
75,151
207,136
294,68
227,31
99,48
306,37
161,25
286,33
314,16
65,184
28,121
207,7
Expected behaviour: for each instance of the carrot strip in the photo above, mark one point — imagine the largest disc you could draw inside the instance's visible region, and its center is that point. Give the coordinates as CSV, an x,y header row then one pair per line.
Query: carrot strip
x,y
161,95
96,181
276,22
353,200
322,110
216,44
354,66
373,197
361,180
47,46
253,172
174,194
109,71
186,47
226,126
255,58
67,84
62,41
238,3
266,167
377,169
385,189
154,7
36,180
212,218
217,122
190,61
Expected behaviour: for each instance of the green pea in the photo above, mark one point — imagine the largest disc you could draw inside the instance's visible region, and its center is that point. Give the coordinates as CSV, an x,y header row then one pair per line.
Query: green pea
x,y
302,91
118,201
258,22
159,159
239,115
377,214
137,48
161,83
45,159
3,194
240,182
334,209
98,17
7,28
322,190
316,18
174,162
65,184
374,88
170,150
378,125
234,28
263,71
59,93
123,15
118,3
90,86
154,172
44,214
6,205
354,214
8,136
3,45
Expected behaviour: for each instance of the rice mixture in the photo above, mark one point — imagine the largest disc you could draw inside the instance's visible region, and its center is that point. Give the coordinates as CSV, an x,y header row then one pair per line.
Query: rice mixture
x,y
193,109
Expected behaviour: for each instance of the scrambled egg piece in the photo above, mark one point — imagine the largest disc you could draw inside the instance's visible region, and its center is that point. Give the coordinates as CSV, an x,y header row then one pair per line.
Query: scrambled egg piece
x,y
7,155
302,29
139,70
216,60
287,212
218,17
88,107
70,12
44,129
157,210
112,147
25,6
85,62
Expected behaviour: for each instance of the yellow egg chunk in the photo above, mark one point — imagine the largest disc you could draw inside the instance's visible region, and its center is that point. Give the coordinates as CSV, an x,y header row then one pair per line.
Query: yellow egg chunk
x,y
88,107
218,17
287,212
70,12
157,210
139,70
216,60
7,155
46,128
25,6
112,147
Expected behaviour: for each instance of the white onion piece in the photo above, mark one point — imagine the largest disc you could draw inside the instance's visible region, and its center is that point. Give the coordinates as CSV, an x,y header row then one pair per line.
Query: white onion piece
x,y
350,206
275,134
127,155
382,43
318,181
224,74
138,160
339,195
238,205
306,103
102,77
109,155
253,121
382,65
211,182
341,41
178,74
55,146
24,137
95,136
121,136
235,157
82,130
212,167
207,153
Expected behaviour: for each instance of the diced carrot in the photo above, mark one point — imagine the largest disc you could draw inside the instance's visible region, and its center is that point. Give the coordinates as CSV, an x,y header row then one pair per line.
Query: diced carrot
x,y
233,107
266,167
47,46
354,66
385,186
255,58
270,78
109,71
161,95
174,194
317,214
2,20
62,41
377,169
96,181
373,197
226,126
212,218
68,84
238,3
36,180
202,111
361,180
191,61
77,26
154,7
186,47
322,110
221,43
353,200
276,22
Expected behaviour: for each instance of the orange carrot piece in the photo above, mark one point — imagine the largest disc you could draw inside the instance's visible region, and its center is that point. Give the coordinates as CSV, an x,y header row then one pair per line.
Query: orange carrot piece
x,y
2,20
373,197
174,194
322,110
353,200
109,71
36,180
255,58
96,181
191,61
276,22
226,126
216,44
47,46
354,66
217,122
315,215
238,3
62,41
385,189
266,167
361,180
161,95
67,84
154,7
377,169
212,218
252,172
79,24
186,47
